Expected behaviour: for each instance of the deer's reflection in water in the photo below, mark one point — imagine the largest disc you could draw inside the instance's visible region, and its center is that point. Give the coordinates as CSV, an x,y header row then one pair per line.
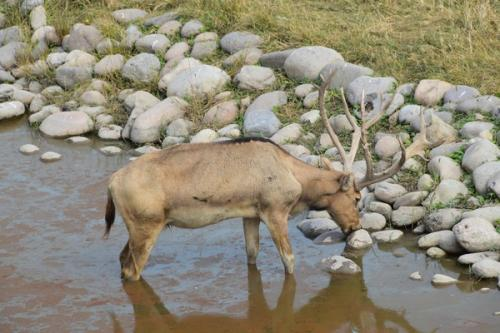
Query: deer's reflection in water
x,y
343,306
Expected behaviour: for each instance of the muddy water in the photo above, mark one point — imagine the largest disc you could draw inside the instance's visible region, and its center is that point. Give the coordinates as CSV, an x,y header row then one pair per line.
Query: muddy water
x,y
57,275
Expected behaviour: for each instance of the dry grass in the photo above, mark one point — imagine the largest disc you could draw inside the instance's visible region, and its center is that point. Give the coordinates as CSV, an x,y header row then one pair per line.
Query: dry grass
x,y
454,40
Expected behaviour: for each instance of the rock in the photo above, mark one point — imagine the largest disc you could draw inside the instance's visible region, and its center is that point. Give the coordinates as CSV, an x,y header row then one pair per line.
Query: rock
x,y
5,76
50,156
494,184
472,258
344,73
407,215
268,101
230,131
388,192
311,228
387,236
9,53
482,174
110,150
261,123
28,149
92,111
3,20
443,219
52,91
180,128
11,109
303,90
199,81
408,113
445,168
416,276
128,15
63,124
248,56
45,36
373,87
181,65
140,100
172,140
339,265
433,238
222,114
69,76
410,199
10,34
486,268
37,103
154,43
178,50
446,149
78,140
275,59
287,134
373,221
239,40
387,147
252,77
478,153
56,59
147,149
476,129
143,68
458,94
359,239
191,28
431,92
110,132
446,192
341,124
92,98
38,17
330,237
311,100
148,125
310,117
439,132
205,135
448,242
483,104
380,208
435,252
132,34
306,63
109,64
106,46
296,150
441,279
476,235
82,37
27,5
161,19
425,183
170,28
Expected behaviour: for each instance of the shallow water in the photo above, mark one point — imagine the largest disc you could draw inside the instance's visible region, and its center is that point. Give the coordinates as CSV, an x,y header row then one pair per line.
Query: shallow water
x,y
58,275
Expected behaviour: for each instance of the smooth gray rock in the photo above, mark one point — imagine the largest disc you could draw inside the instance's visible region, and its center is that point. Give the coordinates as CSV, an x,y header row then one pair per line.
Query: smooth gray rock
x,y
248,56
204,136
443,219
251,77
447,191
407,215
29,149
330,237
10,34
303,90
205,49
128,15
161,19
410,199
27,5
172,140
261,122
222,114
311,100
310,117
45,111
64,124
339,265
132,34
170,28
441,279
388,192
486,268
373,87
275,59
287,134
477,235
483,104
109,64
306,63
56,59
110,150
69,76
92,98
359,239
174,68
446,149
9,53
50,156
268,101
472,258
191,28
475,129
239,40
478,153
448,243
491,213
416,276
82,37
11,109
110,132
494,184
199,81
460,93
380,208
373,221
180,128
387,146
312,228
435,252
445,168
154,43
387,236
176,51
482,174
38,17
344,73
143,67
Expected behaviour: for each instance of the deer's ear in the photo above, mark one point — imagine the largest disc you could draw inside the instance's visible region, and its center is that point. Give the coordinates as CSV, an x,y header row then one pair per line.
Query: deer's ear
x,y
325,164
346,181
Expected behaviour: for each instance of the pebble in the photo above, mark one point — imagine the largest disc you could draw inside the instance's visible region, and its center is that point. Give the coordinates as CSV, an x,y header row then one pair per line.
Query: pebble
x,y
441,279
50,156
78,140
416,276
110,150
28,149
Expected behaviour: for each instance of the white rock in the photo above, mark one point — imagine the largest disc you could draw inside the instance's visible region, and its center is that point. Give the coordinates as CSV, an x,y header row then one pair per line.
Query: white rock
x,y
373,221
416,276
303,90
50,156
110,64
239,40
11,109
447,191
431,92
78,140
359,239
407,215
64,124
306,63
441,279
176,51
435,252
28,149
287,134
387,236
191,28
482,174
204,136
472,258
477,235
310,117
110,150
388,192
445,168
339,264
199,81
110,132
252,77
486,268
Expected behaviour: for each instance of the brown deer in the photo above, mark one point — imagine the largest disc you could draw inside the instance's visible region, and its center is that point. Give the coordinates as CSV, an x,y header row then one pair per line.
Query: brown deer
x,y
195,185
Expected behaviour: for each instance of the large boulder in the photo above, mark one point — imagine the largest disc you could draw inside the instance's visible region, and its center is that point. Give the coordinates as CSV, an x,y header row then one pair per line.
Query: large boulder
x,y
239,40
306,63
476,235
143,68
199,81
148,125
476,129
487,268
83,37
64,124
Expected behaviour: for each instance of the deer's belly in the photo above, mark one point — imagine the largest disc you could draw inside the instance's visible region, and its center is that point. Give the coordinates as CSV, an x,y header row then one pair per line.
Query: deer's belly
x,y
197,217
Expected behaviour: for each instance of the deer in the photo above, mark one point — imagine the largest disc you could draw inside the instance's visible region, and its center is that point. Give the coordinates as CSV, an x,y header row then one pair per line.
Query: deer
x,y
195,185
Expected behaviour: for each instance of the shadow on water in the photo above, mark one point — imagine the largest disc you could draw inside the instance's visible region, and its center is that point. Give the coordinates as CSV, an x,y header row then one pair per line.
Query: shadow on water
x,y
343,306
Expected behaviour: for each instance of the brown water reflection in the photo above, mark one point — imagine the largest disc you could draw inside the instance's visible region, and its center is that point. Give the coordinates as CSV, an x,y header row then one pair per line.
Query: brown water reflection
x,y
323,313
58,275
